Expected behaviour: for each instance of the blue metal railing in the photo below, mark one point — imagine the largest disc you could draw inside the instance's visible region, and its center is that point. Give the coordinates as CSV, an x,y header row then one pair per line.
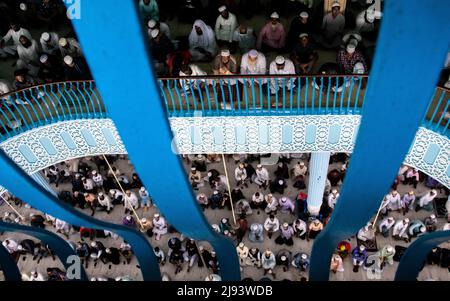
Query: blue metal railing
x,y
24,110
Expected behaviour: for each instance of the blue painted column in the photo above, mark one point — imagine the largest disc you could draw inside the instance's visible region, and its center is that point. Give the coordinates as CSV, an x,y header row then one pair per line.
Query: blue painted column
x,y
318,170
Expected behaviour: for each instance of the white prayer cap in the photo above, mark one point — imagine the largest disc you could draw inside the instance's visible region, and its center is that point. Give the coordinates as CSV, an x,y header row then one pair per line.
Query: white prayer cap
x,y
390,218
285,225
209,174
43,59
156,215
23,6
63,42
336,4
68,60
20,248
334,191
390,249
7,214
423,229
111,191
433,216
254,227
279,60
304,256
85,194
94,172
304,14
351,48
224,220
100,193
213,253
151,24
128,218
359,68
275,15
216,192
280,182
253,53
302,163
45,36
283,258
144,220
302,35
406,220
225,52
362,248
222,9
241,245
154,33
284,199
259,166
93,244
434,191
193,168
142,189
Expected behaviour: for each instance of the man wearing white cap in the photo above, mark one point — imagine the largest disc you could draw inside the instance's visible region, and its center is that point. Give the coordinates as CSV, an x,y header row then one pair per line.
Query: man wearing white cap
x,y
366,233
281,66
271,225
431,223
272,36
400,230
225,64
163,27
359,256
300,24
416,228
159,226
202,42
385,226
304,55
387,255
97,178
261,177
268,262
286,205
104,202
301,261
28,53
336,264
287,233
426,201
191,70
69,46
332,198
75,69
240,175
50,43
195,178
242,252
131,201
332,27
347,58
394,200
146,201
161,47
245,38
13,34
271,204
365,21
62,227
256,233
226,23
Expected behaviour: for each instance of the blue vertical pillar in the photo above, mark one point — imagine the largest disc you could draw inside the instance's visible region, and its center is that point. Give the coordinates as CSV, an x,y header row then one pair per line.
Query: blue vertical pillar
x,y
318,169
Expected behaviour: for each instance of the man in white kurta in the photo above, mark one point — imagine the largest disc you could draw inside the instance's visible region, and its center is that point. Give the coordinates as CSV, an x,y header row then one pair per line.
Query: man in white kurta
x,y
28,52
394,200
271,225
332,198
426,201
226,23
281,66
70,46
254,63
385,226
50,43
131,201
191,70
13,35
240,174
271,204
400,230
159,226
261,176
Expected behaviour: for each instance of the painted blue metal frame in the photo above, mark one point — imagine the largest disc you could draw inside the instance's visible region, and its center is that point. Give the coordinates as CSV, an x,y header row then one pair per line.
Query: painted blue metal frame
x,y
388,93
142,121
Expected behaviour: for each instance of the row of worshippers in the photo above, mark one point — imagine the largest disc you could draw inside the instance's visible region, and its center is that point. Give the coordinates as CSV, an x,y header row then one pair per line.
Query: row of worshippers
x,y
205,42
51,59
393,201
268,260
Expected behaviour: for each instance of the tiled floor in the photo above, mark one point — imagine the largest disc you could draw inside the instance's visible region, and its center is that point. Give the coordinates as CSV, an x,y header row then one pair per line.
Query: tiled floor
x,y
214,216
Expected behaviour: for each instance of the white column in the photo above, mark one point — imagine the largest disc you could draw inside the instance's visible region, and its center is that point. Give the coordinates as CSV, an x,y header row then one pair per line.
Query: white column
x,y
318,170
